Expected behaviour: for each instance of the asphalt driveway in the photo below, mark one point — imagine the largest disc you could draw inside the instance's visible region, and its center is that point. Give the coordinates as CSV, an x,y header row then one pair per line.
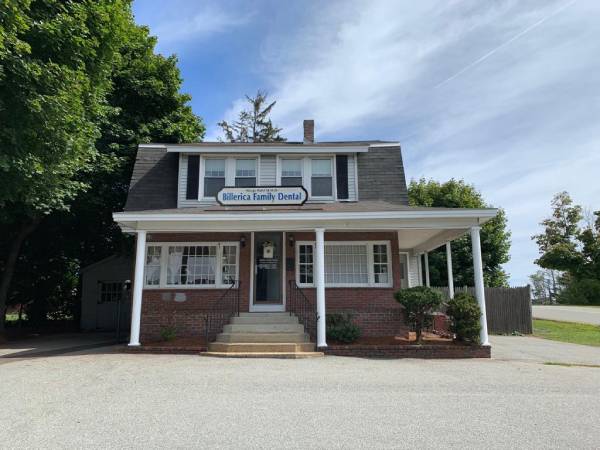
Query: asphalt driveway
x,y
100,399
566,313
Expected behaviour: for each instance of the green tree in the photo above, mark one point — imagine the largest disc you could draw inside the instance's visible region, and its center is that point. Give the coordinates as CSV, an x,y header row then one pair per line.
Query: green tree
x,y
254,124
495,237
55,63
144,104
571,246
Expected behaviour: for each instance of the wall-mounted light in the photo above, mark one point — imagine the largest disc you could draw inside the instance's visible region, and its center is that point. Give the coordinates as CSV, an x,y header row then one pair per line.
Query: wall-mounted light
x,y
242,241
291,240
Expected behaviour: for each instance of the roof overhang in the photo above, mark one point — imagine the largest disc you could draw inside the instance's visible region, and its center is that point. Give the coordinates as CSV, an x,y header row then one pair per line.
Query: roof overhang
x,y
269,148
419,231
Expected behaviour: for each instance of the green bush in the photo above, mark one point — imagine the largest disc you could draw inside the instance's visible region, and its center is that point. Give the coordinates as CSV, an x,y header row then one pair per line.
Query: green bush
x,y
581,292
168,333
465,315
419,303
340,328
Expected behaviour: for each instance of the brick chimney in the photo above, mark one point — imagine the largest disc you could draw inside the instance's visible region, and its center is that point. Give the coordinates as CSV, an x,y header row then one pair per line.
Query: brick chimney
x,y
309,131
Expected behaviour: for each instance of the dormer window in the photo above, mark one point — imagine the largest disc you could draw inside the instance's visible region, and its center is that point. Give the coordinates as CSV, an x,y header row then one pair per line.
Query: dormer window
x,y
291,172
214,176
321,181
245,172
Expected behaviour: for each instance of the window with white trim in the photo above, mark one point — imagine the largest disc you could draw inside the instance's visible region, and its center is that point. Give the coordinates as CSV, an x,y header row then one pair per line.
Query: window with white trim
x,y
347,264
305,263
291,172
210,264
152,271
214,176
245,172
321,177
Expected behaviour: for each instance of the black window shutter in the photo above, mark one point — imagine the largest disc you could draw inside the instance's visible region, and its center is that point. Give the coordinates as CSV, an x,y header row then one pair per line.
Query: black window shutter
x,y
193,174
341,172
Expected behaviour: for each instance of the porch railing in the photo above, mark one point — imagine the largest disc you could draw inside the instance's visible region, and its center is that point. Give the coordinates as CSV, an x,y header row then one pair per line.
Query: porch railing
x,y
226,307
298,303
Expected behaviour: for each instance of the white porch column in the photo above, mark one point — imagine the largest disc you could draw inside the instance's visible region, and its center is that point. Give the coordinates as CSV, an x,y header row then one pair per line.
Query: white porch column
x,y
449,266
427,283
420,269
479,287
320,285
138,284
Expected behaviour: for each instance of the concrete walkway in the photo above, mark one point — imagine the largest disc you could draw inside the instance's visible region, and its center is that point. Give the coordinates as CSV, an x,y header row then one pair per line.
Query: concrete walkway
x,y
565,313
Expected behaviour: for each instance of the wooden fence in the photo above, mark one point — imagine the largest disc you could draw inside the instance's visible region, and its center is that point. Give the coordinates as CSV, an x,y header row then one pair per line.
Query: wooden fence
x,y
508,309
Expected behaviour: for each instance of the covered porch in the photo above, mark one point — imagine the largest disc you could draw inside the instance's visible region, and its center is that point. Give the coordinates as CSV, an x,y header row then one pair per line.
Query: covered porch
x,y
315,245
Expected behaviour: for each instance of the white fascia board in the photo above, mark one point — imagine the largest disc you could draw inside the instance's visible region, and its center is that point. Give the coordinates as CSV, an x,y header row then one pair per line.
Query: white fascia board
x,y
385,144
279,149
483,215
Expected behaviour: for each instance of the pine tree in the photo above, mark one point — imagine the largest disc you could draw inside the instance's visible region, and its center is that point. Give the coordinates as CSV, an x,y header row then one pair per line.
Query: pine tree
x,y
254,124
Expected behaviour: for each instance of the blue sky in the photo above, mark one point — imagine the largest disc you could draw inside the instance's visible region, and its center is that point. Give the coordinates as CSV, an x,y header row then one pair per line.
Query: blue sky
x,y
504,94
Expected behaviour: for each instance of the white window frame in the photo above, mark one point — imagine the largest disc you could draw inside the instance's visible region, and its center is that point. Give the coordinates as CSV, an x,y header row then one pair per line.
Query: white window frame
x,y
370,264
230,169
164,260
307,174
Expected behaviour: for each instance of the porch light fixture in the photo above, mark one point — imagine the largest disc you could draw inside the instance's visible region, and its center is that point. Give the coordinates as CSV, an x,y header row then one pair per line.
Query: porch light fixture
x,y
242,241
291,240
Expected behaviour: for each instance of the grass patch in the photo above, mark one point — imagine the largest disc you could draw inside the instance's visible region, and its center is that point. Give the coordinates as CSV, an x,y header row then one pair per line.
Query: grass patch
x,y
550,363
575,333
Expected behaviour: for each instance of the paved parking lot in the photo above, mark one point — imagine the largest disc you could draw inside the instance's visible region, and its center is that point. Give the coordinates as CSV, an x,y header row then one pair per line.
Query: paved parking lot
x,y
101,399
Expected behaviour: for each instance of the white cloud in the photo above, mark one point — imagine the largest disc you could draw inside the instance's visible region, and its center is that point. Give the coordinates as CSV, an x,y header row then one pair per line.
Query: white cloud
x,y
520,124
198,24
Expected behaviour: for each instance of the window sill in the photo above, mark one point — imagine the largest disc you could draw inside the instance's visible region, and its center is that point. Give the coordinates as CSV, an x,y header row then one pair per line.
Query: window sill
x,y
187,286
348,286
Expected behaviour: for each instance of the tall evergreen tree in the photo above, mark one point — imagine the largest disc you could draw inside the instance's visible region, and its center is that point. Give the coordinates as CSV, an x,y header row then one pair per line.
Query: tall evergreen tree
x,y
254,124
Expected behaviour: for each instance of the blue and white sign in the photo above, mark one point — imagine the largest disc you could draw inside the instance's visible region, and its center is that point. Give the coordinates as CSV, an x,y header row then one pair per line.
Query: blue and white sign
x,y
262,195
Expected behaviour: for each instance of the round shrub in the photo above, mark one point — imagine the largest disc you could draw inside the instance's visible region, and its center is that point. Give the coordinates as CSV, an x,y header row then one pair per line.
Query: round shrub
x,y
419,303
464,313
340,328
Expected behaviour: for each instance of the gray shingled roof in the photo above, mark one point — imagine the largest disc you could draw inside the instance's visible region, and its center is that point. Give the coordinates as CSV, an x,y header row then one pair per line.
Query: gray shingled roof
x,y
153,181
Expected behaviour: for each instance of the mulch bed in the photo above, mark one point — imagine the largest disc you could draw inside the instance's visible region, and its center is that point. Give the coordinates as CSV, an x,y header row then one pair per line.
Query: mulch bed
x,y
431,347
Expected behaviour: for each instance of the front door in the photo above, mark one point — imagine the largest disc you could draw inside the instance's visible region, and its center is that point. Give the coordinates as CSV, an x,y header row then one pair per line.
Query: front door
x,y
268,271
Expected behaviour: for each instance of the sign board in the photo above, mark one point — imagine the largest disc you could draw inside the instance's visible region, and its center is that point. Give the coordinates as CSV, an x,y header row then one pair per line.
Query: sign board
x,y
262,195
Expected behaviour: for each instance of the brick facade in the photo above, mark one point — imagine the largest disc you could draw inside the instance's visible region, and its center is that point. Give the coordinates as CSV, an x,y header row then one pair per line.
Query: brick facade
x,y
374,309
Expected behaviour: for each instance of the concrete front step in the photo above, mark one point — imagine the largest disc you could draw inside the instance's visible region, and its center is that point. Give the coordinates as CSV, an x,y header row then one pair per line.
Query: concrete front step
x,y
248,320
264,328
263,337
265,314
260,347
277,355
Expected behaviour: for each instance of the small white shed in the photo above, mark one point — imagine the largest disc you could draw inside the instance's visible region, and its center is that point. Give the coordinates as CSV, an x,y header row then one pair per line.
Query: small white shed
x,y
105,299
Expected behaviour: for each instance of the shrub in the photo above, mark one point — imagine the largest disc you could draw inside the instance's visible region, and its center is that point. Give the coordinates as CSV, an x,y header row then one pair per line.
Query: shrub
x,y
340,328
419,303
168,333
465,315
581,292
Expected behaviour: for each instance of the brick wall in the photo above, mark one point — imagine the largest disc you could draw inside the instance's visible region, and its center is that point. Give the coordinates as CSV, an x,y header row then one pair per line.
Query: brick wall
x,y
159,308
374,309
